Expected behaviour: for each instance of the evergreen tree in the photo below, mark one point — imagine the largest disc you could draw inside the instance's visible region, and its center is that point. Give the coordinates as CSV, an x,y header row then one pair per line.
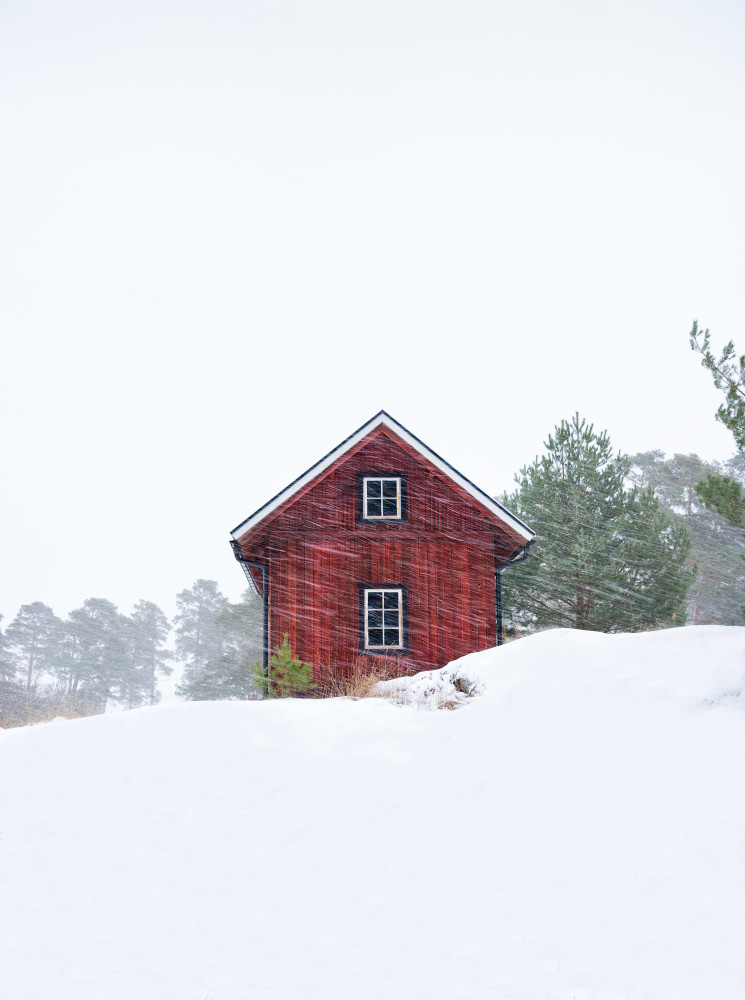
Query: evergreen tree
x,y
605,558
734,508
721,493
146,632
735,467
33,637
199,636
287,677
94,652
7,666
228,675
716,546
725,496
728,372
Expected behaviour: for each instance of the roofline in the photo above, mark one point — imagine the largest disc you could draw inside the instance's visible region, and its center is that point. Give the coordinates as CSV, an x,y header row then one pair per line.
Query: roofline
x,y
386,420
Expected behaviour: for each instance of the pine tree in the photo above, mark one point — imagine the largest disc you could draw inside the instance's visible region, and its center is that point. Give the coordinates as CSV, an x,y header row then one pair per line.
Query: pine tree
x,y
735,467
721,493
33,637
733,507
605,558
229,674
199,636
728,372
94,655
287,676
717,547
7,666
725,496
146,631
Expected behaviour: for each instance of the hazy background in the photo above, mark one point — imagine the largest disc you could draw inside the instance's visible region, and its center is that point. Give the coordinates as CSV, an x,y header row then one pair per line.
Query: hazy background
x,y
231,232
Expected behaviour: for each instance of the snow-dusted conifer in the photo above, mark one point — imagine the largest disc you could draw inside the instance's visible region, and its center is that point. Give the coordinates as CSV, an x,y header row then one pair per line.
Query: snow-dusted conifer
x,y
605,558
7,666
728,372
717,546
146,631
93,658
229,674
199,636
33,637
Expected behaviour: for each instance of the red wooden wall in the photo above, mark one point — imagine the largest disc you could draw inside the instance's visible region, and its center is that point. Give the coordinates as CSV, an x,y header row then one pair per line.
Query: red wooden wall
x,y
445,553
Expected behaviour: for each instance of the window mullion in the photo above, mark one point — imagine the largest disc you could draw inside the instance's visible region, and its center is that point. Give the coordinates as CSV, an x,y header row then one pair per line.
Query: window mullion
x,y
376,507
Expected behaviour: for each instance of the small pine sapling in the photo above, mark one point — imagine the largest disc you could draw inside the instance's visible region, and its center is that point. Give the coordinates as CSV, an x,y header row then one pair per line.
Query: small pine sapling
x,y
287,677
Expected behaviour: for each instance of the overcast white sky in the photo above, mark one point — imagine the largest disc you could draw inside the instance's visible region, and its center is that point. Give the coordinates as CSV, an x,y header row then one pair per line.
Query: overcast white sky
x,y
233,231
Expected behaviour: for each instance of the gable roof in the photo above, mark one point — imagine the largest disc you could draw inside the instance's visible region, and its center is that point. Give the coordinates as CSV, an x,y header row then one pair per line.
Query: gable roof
x,y
386,420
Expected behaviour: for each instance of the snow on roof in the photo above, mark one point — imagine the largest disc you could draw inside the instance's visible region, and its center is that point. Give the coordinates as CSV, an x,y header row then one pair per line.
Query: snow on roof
x,y
386,420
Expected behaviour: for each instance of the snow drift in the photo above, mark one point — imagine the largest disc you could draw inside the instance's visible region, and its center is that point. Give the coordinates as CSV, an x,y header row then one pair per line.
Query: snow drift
x,y
576,831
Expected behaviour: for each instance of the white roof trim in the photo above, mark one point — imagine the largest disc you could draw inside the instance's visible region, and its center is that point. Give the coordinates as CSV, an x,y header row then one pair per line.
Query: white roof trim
x,y
387,421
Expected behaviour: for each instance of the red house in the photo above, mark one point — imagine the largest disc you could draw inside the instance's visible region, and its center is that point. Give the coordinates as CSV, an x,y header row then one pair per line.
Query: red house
x,y
381,548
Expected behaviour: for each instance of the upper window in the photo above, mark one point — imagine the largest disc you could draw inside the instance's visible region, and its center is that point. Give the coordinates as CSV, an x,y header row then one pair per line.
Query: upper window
x,y
381,498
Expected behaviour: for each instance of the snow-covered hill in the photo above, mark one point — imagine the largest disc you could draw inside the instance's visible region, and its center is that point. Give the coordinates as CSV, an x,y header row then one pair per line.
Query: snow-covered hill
x,y
575,832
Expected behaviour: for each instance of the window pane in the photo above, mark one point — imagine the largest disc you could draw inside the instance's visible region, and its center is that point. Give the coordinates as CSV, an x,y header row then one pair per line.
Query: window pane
x,y
390,508
374,508
390,488
383,619
373,487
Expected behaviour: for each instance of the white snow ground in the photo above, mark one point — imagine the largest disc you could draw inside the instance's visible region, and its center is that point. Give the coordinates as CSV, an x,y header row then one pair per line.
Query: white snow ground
x,y
576,832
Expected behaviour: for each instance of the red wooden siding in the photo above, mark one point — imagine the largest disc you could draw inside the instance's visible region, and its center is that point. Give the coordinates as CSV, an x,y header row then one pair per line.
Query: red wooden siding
x,y
318,552
314,596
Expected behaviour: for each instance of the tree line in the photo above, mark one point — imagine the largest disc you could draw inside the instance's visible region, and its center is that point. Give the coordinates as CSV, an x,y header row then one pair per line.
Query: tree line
x,y
624,543
97,655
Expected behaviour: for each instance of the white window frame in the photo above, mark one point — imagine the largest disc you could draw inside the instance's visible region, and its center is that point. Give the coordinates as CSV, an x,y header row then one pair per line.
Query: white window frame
x,y
381,480
400,610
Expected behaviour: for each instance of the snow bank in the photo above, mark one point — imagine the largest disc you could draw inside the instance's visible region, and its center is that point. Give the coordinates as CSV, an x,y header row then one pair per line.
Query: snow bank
x,y
677,663
577,831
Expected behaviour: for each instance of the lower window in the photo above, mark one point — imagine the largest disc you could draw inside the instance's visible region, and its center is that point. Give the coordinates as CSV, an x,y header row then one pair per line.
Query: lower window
x,y
383,613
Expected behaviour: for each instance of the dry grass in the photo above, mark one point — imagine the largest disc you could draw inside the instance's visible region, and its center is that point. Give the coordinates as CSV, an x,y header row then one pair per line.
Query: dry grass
x,y
19,707
448,703
357,680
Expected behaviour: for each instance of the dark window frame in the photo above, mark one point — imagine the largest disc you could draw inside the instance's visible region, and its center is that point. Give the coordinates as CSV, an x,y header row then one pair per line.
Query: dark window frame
x,y
384,650
361,519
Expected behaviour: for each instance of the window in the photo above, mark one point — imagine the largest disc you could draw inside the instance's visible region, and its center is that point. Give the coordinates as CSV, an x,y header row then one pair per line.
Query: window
x,y
383,618
383,498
